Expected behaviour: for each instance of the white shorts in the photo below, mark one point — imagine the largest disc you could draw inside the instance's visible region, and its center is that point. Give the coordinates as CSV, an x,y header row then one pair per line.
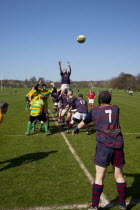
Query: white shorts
x,y
91,101
55,104
65,86
73,110
79,116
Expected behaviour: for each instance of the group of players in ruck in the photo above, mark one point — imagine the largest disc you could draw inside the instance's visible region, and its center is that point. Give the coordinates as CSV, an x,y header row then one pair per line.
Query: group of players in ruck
x,y
110,143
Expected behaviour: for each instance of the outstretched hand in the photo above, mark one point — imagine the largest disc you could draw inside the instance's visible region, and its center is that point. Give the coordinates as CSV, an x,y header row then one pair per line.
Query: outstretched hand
x,y
40,81
52,84
68,63
59,63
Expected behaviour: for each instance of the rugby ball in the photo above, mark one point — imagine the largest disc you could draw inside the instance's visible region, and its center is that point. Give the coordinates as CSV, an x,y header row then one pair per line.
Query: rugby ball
x,y
81,38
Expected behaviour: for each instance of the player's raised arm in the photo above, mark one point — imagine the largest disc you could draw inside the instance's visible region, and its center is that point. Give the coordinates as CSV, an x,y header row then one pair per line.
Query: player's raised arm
x,y
68,63
36,86
60,68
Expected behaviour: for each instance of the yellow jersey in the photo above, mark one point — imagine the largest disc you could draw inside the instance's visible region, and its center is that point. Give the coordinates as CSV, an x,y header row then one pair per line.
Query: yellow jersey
x,y
1,117
37,107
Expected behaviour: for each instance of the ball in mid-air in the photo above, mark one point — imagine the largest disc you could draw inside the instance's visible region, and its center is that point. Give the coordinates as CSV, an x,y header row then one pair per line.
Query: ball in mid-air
x,y
81,38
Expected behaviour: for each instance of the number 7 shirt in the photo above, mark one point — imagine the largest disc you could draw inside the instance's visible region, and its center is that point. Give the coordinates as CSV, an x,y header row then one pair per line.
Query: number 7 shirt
x,y
106,125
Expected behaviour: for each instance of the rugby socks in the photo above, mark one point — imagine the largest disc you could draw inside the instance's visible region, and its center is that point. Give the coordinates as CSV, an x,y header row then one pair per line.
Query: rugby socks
x,y
26,106
69,126
91,106
33,124
29,125
96,193
87,128
62,119
121,187
46,126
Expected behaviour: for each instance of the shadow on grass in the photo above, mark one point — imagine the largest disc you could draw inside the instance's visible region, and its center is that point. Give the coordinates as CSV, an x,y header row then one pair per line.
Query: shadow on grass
x,y
133,191
25,159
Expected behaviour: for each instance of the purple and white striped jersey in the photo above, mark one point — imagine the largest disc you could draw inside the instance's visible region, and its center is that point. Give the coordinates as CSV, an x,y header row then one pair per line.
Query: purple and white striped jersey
x,y
65,78
71,102
106,124
81,106
64,100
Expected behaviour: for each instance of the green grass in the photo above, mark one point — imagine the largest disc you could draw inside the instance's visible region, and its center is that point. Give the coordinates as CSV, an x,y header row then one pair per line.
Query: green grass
x,y
39,170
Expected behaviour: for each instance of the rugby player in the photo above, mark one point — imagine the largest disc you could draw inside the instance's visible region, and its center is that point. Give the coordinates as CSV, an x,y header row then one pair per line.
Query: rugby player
x,y
72,106
91,97
55,98
29,98
38,113
109,148
3,110
43,91
63,106
80,114
65,76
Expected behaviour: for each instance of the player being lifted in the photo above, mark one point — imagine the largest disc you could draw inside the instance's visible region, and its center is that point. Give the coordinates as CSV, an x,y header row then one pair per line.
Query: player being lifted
x,y
109,148
65,76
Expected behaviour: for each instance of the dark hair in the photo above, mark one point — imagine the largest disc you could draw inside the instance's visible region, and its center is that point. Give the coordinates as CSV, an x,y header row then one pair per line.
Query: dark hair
x,y
104,97
80,95
65,91
43,85
3,105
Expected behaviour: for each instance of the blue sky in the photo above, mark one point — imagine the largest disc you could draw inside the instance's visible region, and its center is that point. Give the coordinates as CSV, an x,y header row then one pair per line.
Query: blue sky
x,y
36,34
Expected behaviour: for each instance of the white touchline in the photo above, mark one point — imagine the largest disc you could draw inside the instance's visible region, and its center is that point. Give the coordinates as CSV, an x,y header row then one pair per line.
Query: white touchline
x,y
104,200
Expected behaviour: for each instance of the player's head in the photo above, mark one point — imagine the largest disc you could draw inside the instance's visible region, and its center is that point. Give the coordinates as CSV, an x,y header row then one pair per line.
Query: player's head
x,y
64,91
4,107
80,95
65,71
104,97
43,86
70,92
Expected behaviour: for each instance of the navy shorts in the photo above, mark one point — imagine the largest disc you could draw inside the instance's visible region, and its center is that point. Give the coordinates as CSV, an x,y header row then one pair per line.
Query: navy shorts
x,y
106,155
42,117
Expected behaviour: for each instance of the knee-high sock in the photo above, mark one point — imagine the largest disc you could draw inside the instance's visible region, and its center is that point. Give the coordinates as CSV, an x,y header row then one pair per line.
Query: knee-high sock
x,y
96,193
121,187
46,126
29,125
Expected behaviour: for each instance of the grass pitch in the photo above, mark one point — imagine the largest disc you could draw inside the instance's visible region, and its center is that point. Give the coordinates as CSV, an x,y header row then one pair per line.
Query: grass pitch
x,y
39,170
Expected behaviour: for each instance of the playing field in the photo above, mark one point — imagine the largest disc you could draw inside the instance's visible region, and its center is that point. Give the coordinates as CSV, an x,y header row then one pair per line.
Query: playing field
x,y
56,172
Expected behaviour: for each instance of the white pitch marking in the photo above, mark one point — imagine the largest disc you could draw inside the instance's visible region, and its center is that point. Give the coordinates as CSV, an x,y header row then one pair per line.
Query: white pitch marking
x,y
104,200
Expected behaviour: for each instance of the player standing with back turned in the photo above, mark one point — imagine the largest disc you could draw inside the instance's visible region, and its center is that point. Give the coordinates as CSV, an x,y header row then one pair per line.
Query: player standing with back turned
x,y
109,148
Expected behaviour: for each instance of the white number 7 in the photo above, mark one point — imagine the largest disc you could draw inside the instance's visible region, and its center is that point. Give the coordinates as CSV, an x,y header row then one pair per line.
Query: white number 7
x,y
109,111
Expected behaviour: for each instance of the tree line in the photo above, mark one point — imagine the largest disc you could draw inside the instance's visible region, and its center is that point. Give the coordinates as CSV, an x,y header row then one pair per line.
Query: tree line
x,y
123,81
